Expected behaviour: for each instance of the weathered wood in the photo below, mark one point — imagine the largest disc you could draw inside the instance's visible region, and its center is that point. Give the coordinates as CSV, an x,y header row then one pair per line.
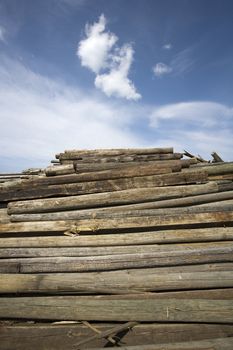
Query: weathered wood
x,y
210,344
4,217
161,236
48,336
109,198
106,185
179,256
125,158
114,152
110,213
94,225
143,308
143,170
88,167
59,170
214,168
106,250
216,157
108,282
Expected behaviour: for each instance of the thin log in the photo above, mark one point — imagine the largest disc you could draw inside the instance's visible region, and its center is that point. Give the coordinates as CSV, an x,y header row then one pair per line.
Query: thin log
x,y
179,256
114,152
50,336
109,199
99,251
161,236
110,213
94,225
143,308
110,283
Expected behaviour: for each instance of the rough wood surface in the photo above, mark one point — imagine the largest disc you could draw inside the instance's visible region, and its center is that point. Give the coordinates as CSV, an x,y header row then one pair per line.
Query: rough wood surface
x,y
113,214
119,283
109,198
180,256
48,336
210,344
119,239
59,170
108,308
128,223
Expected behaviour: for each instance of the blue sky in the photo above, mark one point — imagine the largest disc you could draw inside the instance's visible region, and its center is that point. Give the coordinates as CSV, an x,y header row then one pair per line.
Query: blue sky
x,y
114,73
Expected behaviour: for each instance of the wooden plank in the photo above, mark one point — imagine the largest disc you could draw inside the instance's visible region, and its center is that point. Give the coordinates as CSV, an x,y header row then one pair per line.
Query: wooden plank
x,y
109,198
47,336
143,308
119,239
59,170
122,261
108,282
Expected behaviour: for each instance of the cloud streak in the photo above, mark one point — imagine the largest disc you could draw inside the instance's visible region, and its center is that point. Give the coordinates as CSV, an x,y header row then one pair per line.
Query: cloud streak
x,y
111,64
161,69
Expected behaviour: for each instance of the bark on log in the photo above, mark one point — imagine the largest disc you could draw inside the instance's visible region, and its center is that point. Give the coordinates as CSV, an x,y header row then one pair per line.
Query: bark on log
x,y
109,199
143,308
108,282
161,236
123,261
49,336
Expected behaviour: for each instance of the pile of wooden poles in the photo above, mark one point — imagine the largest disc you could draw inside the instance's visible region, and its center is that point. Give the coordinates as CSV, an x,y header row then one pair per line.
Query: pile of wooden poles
x,y
120,247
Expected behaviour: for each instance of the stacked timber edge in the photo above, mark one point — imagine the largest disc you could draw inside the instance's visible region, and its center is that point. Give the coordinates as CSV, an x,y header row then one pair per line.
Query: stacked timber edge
x,y
129,248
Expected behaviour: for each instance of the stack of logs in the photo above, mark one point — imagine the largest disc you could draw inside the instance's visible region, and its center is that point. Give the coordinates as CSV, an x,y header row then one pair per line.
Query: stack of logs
x,y
124,247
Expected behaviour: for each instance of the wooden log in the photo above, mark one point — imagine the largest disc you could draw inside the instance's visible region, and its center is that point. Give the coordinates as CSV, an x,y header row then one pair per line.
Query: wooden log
x,y
161,236
137,223
210,344
4,217
59,170
142,170
113,214
216,157
50,336
106,185
113,284
87,167
215,168
107,250
126,158
109,198
114,152
141,307
179,256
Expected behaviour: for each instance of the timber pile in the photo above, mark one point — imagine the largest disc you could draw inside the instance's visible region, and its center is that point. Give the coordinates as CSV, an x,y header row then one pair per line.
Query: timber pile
x,y
124,247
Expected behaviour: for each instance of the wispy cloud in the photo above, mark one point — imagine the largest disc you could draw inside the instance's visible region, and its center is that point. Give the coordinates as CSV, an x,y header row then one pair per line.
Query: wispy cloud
x,y
167,46
183,62
2,34
161,69
98,52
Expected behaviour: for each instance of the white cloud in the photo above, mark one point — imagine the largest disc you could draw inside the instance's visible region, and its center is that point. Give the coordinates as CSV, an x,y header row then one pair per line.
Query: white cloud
x,y
40,117
94,50
204,113
116,82
2,34
99,53
161,69
167,46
